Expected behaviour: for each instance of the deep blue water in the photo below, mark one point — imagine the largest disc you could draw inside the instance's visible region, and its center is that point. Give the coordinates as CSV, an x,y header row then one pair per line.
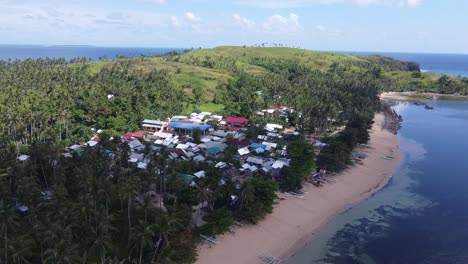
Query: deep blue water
x,y
14,52
450,64
421,216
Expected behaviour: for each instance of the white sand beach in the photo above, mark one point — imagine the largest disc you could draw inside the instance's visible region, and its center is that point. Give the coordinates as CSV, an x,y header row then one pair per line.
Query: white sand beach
x,y
294,220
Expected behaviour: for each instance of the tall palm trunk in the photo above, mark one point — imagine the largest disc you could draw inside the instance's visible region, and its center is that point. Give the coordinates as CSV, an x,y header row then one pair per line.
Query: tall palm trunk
x,y
141,253
129,216
6,246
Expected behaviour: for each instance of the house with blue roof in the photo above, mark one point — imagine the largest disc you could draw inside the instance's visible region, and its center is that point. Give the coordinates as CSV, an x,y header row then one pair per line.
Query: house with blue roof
x,y
188,128
258,146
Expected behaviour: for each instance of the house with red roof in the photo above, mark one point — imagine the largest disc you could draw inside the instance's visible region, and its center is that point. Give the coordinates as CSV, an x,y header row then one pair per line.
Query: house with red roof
x,y
133,135
237,121
234,123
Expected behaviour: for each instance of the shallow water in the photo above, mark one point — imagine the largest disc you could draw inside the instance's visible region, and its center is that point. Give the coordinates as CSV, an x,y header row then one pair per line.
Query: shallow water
x,y
421,216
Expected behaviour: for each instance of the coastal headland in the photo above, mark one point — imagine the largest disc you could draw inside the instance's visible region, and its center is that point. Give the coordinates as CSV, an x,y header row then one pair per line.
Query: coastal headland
x,y
294,220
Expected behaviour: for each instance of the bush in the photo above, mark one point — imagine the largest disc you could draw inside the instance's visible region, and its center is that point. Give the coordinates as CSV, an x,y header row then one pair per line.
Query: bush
x,y
257,197
218,221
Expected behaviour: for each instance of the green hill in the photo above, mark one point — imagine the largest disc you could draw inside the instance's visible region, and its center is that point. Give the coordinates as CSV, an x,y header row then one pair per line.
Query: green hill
x,y
208,69
48,97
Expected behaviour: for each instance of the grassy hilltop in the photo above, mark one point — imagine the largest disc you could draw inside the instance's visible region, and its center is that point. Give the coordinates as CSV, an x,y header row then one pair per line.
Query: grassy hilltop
x,y
208,69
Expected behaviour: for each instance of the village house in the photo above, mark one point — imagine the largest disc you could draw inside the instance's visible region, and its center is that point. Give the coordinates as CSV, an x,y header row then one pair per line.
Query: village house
x,y
154,125
133,135
188,128
234,123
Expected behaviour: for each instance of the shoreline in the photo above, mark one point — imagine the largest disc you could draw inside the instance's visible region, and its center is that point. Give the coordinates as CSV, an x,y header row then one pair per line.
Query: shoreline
x,y
294,221
408,96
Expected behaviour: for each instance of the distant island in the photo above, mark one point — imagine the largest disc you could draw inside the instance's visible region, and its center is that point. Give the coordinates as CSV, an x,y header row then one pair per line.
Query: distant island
x,y
141,160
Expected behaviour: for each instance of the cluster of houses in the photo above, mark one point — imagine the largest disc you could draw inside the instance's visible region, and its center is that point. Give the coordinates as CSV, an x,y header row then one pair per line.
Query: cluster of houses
x,y
262,154
265,153
276,111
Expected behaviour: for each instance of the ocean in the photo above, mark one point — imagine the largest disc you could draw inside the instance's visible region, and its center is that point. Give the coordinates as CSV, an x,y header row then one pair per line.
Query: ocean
x,y
421,216
19,52
449,64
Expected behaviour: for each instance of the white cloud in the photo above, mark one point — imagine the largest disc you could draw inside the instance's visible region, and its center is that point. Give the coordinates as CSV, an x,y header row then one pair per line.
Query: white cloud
x,y
283,4
71,23
282,24
243,21
174,22
191,17
273,24
321,28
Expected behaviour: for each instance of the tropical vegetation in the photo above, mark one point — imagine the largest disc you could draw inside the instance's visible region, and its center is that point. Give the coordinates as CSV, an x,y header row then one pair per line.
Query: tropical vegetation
x,y
97,208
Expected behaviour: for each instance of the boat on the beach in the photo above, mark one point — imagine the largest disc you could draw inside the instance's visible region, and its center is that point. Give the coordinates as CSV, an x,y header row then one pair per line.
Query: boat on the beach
x,y
209,239
330,178
231,231
297,194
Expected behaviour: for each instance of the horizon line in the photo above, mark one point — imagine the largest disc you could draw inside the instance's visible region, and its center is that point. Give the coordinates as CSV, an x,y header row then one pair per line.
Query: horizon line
x,y
257,46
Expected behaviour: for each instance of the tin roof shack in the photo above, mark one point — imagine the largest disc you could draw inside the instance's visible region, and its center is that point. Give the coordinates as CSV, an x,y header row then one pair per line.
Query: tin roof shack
x,y
154,125
135,145
273,127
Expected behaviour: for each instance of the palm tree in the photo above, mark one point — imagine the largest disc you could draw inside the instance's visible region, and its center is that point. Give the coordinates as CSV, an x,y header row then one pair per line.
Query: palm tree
x,y
22,249
247,194
62,248
142,238
166,224
9,222
204,194
102,236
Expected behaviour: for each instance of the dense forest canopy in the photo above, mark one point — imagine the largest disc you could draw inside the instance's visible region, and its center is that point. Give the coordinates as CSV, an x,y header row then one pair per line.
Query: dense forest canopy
x,y
97,208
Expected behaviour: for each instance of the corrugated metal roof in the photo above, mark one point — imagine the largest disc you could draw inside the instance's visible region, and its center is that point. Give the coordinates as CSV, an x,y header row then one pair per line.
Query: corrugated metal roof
x,y
258,146
187,126
214,151
239,120
153,122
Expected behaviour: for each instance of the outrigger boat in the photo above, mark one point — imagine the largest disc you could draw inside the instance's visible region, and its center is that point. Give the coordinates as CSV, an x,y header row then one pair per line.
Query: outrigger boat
x,y
231,231
429,107
270,260
326,180
330,179
317,184
320,180
237,223
210,239
297,194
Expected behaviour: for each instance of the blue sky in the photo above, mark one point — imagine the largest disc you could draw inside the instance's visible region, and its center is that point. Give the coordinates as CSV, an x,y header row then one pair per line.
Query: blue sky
x,y
343,25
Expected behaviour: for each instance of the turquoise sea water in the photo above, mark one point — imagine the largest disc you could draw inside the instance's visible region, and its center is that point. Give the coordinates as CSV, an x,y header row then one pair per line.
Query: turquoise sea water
x,y
421,216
